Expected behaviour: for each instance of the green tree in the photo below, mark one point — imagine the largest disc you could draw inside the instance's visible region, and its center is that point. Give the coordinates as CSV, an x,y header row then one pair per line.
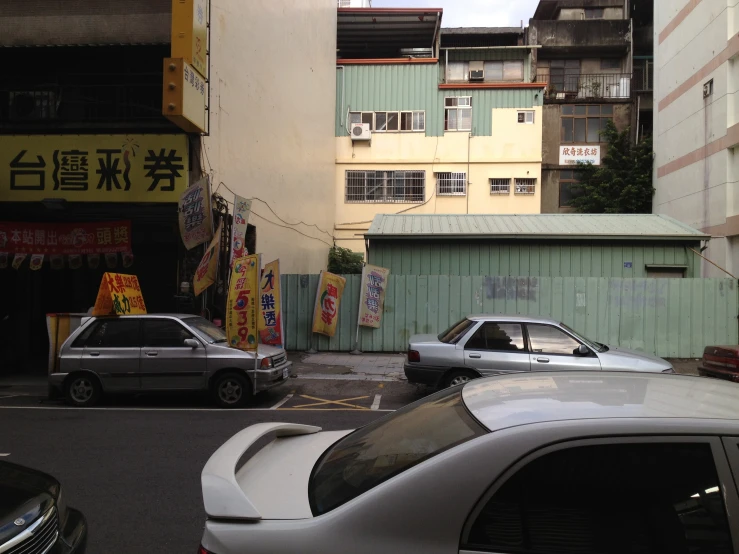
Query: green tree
x,y
343,261
622,184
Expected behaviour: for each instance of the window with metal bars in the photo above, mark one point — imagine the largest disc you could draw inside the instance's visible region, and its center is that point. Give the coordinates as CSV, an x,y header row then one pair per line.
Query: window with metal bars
x,y
451,184
500,186
385,187
525,186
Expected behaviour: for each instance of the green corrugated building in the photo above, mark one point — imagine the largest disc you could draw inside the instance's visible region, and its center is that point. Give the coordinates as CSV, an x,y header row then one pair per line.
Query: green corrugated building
x,y
541,245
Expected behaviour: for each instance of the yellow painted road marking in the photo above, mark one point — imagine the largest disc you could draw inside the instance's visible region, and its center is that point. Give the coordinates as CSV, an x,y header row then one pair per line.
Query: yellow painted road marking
x,y
323,402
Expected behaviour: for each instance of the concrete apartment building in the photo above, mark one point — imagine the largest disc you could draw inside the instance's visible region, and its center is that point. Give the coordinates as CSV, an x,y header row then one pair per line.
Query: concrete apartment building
x,y
696,122
432,120
594,57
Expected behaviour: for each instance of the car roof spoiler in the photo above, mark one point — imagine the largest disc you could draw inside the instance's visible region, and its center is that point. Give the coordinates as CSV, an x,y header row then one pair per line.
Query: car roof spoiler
x,y
222,495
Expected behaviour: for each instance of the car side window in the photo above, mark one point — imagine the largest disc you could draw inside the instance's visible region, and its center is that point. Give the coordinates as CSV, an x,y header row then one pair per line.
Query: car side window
x,y
608,499
507,337
164,333
546,339
115,333
81,339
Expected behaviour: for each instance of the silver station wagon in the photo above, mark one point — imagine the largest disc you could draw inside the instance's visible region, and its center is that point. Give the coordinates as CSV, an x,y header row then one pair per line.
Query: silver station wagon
x,y
484,345
162,352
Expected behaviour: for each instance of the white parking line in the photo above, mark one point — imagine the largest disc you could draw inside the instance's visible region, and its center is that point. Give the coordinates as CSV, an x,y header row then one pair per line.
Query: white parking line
x,y
4,454
376,403
281,402
12,396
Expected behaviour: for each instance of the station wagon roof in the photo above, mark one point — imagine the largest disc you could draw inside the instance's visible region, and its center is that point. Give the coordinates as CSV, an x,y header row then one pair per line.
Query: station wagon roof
x,y
513,318
512,400
177,316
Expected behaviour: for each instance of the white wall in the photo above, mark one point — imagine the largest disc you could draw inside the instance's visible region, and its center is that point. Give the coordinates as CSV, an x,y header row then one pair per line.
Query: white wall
x,y
272,121
700,194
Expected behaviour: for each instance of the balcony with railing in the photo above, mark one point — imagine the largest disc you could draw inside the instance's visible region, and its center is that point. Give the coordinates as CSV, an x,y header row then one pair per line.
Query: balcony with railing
x,y
613,86
643,76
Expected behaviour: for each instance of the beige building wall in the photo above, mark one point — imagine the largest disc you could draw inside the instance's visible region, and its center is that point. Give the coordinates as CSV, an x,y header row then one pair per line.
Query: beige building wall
x,y
272,122
514,151
696,170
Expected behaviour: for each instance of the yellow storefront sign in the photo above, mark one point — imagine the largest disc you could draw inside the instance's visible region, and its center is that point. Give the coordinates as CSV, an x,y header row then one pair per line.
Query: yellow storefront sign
x,y
93,168
119,295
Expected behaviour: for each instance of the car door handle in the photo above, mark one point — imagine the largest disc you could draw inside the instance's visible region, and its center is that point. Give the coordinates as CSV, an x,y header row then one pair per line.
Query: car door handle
x,y
475,356
543,360
152,353
94,353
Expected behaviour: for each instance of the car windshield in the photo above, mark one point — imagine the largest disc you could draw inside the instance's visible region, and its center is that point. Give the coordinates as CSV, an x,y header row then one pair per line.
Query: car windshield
x,y
456,331
389,446
208,330
598,347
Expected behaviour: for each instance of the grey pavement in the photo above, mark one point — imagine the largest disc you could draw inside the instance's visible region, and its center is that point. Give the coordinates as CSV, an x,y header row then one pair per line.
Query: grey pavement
x,y
349,367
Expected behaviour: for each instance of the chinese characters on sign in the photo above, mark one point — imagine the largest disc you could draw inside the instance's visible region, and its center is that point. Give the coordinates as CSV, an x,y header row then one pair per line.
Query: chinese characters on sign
x,y
242,209
328,299
65,238
372,295
196,226
270,322
242,309
571,155
93,168
119,295
205,275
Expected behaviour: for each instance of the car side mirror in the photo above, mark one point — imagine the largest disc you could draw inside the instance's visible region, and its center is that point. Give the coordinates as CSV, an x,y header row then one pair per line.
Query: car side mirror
x,y
583,350
192,343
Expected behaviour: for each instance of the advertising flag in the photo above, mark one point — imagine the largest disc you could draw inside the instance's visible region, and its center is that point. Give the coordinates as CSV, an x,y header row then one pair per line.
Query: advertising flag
x,y
196,226
242,209
242,309
372,295
205,275
328,299
270,322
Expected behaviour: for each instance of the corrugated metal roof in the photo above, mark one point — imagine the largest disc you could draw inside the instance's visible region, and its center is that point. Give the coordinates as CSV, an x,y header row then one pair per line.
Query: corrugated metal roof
x,y
542,226
481,30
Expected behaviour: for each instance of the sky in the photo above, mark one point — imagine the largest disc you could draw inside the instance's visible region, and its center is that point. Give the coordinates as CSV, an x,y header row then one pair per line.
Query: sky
x,y
472,13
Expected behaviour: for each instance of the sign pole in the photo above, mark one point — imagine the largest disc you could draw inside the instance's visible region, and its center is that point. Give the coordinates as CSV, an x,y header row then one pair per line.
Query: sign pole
x,y
256,330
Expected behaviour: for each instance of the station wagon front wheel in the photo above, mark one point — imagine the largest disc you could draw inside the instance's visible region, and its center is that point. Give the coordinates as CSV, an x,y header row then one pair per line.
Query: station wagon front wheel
x,y
458,377
232,390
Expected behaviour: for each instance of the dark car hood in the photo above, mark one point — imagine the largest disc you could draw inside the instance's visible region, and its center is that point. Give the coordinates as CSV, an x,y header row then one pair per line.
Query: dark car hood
x,y
24,493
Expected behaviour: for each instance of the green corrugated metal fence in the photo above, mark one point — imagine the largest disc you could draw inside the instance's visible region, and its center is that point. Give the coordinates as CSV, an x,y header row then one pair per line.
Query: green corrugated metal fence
x,y
672,318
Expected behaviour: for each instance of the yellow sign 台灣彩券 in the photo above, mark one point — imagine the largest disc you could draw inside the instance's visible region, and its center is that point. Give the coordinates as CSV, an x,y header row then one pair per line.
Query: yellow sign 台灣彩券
x,y
93,168
119,295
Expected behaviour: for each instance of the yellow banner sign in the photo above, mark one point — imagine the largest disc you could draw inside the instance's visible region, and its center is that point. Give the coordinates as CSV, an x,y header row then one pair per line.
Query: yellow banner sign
x,y
205,275
270,324
242,309
328,298
93,168
119,295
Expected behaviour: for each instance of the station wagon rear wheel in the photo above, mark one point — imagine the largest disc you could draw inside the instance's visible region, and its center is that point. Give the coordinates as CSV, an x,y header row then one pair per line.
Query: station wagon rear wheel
x,y
458,377
232,390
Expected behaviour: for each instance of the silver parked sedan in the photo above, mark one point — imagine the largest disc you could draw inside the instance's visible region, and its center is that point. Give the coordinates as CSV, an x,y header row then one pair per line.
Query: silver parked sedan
x,y
496,344
162,352
607,463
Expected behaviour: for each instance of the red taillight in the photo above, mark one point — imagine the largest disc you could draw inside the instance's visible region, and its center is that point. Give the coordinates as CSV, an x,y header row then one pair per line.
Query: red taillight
x,y
202,550
414,356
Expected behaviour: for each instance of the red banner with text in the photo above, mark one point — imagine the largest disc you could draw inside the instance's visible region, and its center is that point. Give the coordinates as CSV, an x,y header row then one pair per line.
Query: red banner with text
x,y
65,238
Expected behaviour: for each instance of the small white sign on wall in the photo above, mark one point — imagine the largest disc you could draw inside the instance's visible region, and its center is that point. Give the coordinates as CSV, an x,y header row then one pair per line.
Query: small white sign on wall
x,y
570,155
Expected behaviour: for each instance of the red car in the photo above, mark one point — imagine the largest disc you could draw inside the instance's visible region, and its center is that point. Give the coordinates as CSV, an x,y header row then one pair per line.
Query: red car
x,y
721,362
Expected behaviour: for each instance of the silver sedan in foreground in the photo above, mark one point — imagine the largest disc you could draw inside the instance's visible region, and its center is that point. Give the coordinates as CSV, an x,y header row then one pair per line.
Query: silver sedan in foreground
x,y
540,463
485,345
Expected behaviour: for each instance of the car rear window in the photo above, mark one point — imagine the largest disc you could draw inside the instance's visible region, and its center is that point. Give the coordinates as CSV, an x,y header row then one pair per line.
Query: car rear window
x,y
456,331
375,453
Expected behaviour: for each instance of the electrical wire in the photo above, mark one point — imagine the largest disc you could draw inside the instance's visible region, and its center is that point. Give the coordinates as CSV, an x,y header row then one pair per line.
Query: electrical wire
x,y
292,229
